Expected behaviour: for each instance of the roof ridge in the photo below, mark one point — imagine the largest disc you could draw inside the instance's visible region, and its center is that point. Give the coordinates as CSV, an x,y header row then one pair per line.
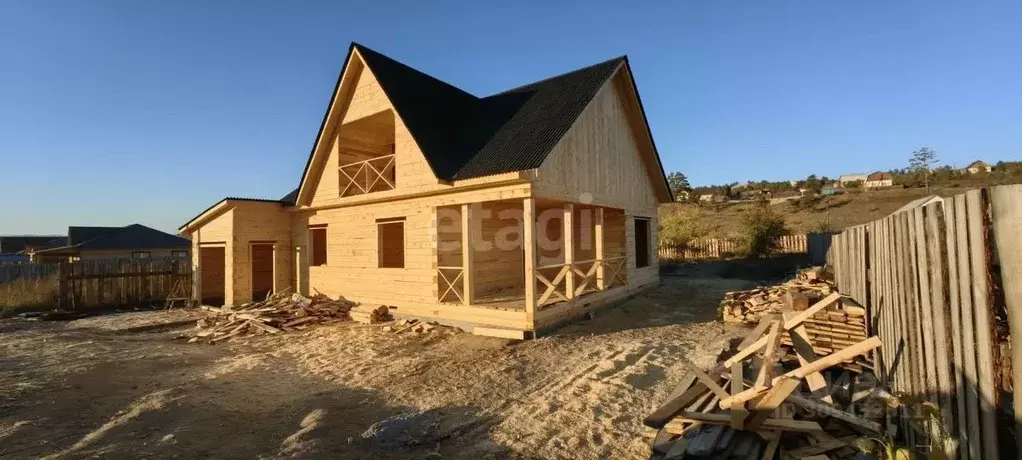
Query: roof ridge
x,y
621,58
360,47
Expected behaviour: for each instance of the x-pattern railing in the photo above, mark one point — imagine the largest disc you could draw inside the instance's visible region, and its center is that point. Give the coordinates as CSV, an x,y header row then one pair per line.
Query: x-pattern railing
x,y
585,277
363,176
450,281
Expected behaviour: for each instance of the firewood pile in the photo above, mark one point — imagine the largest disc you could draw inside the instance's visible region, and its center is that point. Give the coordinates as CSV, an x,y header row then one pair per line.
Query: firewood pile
x,y
280,312
768,399
370,314
841,324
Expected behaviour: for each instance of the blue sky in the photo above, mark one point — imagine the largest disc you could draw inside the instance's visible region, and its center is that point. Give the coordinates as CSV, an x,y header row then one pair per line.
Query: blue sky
x,y
114,112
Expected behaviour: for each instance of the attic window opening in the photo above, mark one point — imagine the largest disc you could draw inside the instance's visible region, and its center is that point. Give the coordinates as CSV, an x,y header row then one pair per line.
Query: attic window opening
x,y
365,148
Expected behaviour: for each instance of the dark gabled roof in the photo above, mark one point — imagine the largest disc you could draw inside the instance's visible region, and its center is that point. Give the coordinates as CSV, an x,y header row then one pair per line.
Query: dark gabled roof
x,y
13,244
76,235
290,198
136,236
463,136
286,200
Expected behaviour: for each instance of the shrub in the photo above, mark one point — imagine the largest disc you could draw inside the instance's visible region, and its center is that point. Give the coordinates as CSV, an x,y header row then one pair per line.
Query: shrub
x,y
761,230
806,202
681,226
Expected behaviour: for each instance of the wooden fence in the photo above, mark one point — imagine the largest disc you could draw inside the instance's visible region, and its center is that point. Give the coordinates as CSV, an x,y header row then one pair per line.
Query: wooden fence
x,y
941,284
723,248
11,272
94,283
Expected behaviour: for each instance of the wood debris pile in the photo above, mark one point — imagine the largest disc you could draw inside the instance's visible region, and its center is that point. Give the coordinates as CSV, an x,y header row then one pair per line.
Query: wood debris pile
x,y
414,325
280,312
840,325
767,399
370,314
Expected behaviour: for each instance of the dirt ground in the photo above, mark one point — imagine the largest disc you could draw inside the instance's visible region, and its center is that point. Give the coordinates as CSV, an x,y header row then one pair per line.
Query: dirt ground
x,y
89,389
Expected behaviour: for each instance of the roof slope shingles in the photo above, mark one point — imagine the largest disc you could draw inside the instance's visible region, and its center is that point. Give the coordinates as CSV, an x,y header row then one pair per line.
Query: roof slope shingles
x,y
463,136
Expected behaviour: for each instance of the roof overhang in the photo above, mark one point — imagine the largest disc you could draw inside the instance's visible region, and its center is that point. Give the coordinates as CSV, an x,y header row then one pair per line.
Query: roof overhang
x,y
662,187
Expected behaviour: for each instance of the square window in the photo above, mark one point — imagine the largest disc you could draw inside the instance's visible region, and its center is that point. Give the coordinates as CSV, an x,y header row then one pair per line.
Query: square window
x,y
179,254
140,255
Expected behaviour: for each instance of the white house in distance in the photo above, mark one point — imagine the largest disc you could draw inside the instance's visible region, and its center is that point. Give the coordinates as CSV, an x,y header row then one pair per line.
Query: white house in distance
x,y
978,166
878,179
846,179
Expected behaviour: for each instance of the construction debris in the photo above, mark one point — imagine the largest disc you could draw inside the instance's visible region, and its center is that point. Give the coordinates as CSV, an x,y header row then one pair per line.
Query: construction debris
x,y
370,314
839,325
280,312
772,395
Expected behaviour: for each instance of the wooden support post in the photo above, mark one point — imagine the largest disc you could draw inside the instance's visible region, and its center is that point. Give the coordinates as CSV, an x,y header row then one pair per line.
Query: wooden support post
x,y
468,238
196,269
601,282
63,285
568,235
529,247
1006,217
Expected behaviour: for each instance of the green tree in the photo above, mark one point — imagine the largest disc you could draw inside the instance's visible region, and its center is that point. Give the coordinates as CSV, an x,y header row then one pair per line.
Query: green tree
x,y
678,183
761,230
921,162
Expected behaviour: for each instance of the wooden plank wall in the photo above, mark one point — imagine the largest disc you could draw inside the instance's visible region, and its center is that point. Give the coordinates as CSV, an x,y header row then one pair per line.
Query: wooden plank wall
x,y
97,283
933,280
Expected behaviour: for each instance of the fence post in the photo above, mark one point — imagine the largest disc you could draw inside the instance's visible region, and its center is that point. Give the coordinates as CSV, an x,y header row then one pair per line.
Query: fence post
x,y
62,285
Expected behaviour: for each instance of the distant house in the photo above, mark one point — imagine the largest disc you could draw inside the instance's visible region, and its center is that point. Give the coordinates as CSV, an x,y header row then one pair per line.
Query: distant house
x,y
708,198
879,179
828,189
20,244
978,166
846,179
135,241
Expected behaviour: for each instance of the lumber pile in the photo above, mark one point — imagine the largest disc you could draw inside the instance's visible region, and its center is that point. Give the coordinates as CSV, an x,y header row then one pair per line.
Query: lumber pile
x,y
280,312
841,324
370,314
767,400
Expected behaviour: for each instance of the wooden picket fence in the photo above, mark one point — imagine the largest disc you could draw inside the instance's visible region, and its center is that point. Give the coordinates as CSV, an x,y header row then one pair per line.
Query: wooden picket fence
x,y
724,248
96,283
938,281
24,271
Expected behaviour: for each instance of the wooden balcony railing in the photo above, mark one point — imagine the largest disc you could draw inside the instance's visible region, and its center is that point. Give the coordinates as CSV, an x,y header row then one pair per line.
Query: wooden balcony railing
x,y
450,284
372,175
585,274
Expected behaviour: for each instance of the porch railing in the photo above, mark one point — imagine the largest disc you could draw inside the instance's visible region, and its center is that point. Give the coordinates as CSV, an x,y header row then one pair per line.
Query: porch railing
x,y
449,280
372,175
585,276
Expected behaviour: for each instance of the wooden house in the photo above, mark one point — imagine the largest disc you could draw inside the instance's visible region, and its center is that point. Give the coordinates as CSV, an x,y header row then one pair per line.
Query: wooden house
x,y
134,241
504,214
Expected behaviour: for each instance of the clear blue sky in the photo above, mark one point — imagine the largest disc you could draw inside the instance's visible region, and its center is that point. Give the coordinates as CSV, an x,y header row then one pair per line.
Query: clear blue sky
x,y
114,112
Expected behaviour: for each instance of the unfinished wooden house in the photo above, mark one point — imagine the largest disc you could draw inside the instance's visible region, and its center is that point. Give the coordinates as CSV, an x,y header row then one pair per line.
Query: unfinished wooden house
x,y
504,214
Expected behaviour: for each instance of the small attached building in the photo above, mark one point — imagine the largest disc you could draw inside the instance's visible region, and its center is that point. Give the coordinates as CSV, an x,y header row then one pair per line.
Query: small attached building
x,y
504,214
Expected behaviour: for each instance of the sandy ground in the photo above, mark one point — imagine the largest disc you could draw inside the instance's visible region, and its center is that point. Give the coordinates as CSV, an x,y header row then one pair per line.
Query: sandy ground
x,y
88,389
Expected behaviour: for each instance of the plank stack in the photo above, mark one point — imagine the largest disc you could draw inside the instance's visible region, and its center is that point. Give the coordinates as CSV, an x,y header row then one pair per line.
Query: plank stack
x,y
767,400
841,324
370,314
280,312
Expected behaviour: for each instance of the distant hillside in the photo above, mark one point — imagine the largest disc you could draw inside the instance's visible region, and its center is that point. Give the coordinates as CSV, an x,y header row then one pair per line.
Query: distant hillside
x,y
830,213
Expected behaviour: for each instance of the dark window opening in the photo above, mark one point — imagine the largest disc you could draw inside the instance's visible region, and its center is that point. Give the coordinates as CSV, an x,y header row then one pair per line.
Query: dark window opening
x,y
642,238
317,241
391,243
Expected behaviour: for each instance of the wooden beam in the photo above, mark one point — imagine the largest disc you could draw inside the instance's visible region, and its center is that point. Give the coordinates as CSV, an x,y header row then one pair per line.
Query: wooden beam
x,y
568,238
601,282
803,426
467,245
738,411
837,357
831,411
804,351
196,267
529,247
675,404
771,354
710,382
771,447
754,336
770,401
